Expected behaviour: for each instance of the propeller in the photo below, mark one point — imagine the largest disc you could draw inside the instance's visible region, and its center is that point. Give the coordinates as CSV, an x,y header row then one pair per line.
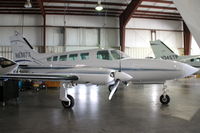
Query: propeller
x,y
119,77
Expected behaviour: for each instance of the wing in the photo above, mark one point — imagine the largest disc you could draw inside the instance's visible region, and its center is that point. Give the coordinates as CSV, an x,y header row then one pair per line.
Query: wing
x,y
42,76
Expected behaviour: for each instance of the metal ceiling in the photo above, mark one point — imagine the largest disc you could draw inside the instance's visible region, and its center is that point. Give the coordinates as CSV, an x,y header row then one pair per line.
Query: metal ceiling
x,y
152,9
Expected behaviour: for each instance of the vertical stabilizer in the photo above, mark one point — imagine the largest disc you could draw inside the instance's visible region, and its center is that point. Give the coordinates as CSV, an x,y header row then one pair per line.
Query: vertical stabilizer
x,y
23,52
162,51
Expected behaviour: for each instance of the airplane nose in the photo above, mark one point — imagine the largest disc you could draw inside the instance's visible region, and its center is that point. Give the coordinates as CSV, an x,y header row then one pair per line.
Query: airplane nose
x,y
187,70
122,76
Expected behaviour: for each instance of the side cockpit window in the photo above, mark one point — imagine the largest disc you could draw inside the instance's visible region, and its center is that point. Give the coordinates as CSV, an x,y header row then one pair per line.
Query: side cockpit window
x,y
84,56
103,55
116,54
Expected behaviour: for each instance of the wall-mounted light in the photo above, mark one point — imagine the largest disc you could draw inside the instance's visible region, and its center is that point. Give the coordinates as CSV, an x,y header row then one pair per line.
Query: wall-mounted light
x,y
99,7
28,4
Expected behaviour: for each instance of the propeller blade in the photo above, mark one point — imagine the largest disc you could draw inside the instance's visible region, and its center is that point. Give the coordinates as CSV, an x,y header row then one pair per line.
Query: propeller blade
x,y
114,89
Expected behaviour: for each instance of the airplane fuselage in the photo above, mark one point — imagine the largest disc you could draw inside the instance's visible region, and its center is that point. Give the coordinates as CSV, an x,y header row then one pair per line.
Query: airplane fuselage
x,y
142,70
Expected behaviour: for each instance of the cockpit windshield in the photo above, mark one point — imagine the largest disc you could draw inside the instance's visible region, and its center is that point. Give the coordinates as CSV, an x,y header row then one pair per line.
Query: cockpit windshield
x,y
116,54
5,62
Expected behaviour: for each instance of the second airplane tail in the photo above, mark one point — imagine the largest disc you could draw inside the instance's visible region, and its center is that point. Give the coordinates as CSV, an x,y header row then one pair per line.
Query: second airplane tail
x,y
162,51
23,52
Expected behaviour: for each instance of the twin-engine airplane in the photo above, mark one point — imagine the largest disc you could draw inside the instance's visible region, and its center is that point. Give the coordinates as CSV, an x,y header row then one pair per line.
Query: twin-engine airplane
x,y
126,68
99,76
163,52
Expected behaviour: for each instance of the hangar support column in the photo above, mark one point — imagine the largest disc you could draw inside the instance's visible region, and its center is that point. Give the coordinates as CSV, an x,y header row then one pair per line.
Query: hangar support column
x,y
124,18
44,24
187,39
44,34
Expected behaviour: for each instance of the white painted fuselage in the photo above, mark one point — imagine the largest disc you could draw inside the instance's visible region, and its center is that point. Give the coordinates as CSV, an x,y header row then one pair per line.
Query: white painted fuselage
x,y
142,70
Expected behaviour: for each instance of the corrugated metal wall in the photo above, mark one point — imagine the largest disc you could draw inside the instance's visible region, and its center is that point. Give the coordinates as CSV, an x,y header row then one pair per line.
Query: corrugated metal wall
x,y
139,52
87,32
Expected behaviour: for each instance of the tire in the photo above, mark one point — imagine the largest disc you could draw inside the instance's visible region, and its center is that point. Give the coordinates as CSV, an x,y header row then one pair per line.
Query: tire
x,y
164,99
68,104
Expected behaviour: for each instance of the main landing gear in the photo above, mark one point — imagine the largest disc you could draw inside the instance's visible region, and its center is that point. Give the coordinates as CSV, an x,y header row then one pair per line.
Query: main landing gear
x,y
164,98
66,99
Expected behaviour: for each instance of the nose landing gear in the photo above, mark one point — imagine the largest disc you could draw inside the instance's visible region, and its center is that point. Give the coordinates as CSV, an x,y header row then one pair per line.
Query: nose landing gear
x,y
164,98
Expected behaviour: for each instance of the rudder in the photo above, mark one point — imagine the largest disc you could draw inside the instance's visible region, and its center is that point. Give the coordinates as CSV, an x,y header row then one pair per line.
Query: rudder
x,y
23,52
160,50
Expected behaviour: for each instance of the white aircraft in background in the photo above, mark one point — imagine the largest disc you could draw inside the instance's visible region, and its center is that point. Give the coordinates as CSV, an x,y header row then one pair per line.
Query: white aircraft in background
x,y
162,51
99,76
140,70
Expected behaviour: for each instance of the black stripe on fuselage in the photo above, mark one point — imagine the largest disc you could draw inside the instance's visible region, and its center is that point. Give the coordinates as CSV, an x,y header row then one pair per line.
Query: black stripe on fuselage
x,y
123,69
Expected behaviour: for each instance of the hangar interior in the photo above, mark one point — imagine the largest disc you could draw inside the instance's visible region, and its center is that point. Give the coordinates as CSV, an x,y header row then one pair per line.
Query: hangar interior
x,y
54,26
67,29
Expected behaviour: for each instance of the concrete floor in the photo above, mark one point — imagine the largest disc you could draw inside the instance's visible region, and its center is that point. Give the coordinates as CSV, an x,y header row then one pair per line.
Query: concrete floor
x,y
134,109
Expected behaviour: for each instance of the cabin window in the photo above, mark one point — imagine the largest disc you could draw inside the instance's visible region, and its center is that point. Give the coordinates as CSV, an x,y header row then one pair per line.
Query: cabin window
x,y
49,59
84,56
55,58
103,55
63,58
195,60
73,56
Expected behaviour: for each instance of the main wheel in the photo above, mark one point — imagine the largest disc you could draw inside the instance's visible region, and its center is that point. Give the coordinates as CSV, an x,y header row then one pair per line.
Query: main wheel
x,y
164,99
68,104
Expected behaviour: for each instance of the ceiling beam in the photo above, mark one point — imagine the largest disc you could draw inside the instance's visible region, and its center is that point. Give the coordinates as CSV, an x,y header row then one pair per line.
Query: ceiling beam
x,y
161,18
82,11
159,1
15,6
157,12
19,12
129,11
156,15
125,17
80,8
13,0
24,9
85,2
158,7
83,14
40,2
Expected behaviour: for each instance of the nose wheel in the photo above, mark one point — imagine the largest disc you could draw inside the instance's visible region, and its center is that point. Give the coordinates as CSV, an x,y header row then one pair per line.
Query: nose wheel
x,y
164,98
